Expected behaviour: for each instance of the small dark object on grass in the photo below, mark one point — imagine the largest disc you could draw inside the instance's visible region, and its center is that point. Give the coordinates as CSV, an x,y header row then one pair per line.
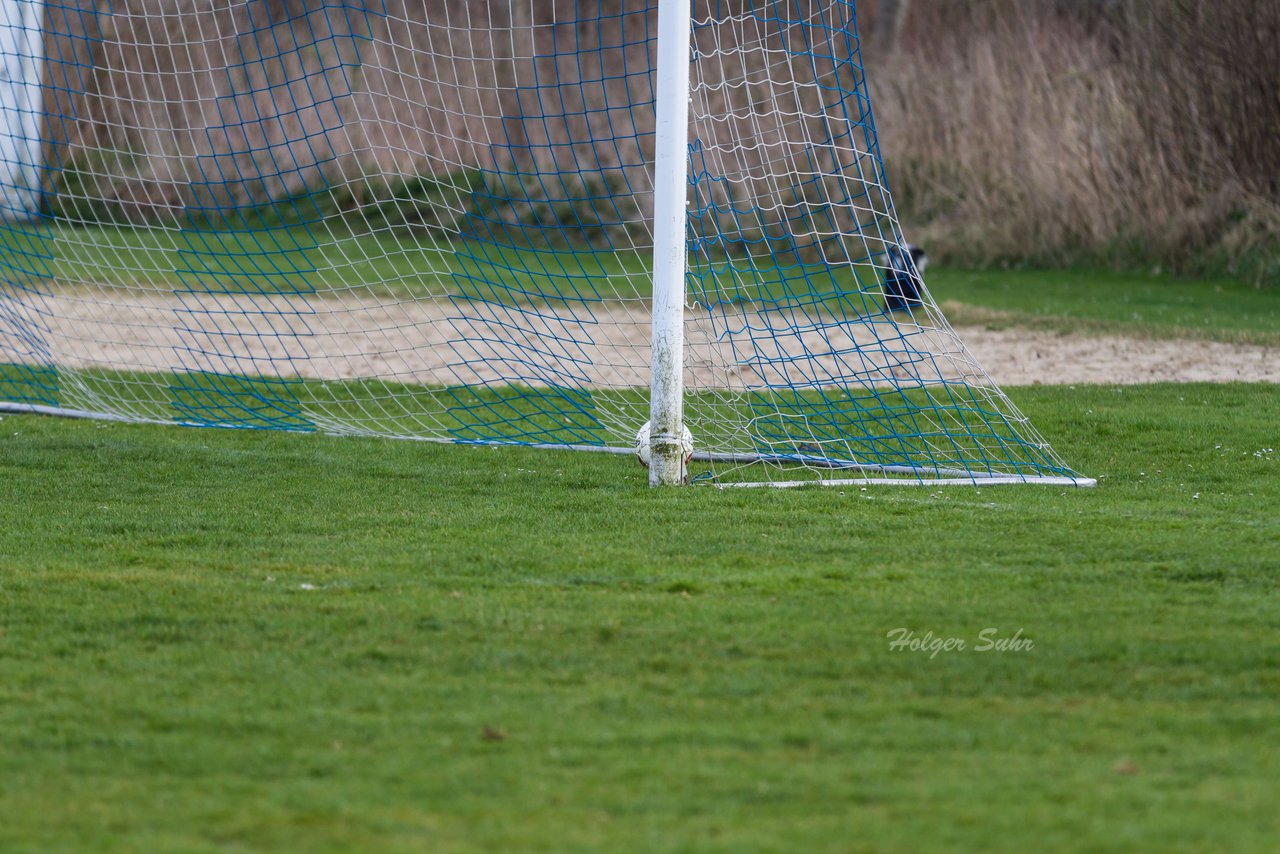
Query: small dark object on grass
x,y
902,285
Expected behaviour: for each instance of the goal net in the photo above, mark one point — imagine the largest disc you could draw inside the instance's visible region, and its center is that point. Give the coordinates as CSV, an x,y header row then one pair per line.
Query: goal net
x,y
434,220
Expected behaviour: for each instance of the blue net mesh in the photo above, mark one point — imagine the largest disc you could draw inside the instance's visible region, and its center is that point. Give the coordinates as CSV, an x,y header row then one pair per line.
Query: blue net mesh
x,y
432,221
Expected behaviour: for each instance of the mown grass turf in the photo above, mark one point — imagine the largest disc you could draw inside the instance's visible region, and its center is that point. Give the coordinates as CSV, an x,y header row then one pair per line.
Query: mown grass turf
x,y
250,640
1102,301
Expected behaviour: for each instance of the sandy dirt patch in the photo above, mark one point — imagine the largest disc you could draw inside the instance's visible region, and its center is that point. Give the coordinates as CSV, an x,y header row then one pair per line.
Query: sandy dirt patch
x,y
448,342
1023,357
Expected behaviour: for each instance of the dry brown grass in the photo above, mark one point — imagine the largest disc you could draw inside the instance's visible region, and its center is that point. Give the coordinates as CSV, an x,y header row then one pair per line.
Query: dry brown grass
x,y
1141,135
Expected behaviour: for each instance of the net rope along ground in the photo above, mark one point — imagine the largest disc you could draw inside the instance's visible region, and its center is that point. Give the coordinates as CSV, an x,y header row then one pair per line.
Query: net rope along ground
x,y
433,221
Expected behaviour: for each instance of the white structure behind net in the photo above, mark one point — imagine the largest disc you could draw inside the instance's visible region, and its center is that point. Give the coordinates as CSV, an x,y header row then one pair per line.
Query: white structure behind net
x,y
430,219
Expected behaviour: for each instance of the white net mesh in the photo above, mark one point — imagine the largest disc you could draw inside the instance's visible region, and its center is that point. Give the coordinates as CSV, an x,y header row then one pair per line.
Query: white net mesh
x,y
431,220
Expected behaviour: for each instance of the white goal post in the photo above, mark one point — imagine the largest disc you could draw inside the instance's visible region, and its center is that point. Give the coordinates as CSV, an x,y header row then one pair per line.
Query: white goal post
x,y
671,163
21,108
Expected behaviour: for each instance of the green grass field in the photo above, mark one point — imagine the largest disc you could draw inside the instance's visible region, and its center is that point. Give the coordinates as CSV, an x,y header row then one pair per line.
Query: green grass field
x,y
1116,303
305,260
216,640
